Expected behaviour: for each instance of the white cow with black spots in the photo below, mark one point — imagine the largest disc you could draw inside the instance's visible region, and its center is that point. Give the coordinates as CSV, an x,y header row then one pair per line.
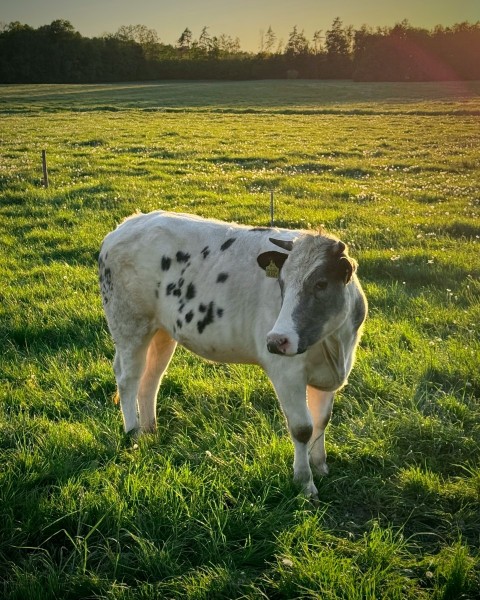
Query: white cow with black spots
x,y
289,301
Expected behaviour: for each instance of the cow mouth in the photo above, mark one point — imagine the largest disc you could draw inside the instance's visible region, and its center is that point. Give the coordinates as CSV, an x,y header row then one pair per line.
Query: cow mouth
x,y
285,344
275,349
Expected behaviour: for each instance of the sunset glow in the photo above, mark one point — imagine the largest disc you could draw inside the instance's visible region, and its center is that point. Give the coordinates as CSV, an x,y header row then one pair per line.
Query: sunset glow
x,y
247,20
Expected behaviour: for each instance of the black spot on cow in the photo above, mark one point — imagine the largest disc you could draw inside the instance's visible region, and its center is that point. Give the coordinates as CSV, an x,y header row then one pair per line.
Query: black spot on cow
x,y
227,244
202,308
166,262
260,229
107,277
182,257
222,277
107,280
219,312
208,319
190,294
175,288
189,316
182,272
181,306
205,252
179,323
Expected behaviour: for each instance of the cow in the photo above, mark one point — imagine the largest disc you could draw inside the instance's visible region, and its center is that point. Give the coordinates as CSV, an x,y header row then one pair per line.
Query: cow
x,y
287,300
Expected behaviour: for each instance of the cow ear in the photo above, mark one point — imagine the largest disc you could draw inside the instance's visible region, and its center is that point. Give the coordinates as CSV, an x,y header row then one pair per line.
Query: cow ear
x,y
347,267
267,258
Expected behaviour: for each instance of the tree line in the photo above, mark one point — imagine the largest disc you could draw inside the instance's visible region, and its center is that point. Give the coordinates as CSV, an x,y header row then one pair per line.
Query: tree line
x,y
57,53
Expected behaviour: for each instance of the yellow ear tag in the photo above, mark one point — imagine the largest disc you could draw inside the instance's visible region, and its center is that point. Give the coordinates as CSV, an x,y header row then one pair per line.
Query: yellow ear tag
x,y
272,270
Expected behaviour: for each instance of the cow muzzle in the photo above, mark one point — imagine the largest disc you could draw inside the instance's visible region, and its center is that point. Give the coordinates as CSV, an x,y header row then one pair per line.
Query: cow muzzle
x,y
278,343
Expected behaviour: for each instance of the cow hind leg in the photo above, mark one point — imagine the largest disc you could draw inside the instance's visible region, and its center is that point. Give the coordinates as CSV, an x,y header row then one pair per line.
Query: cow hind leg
x,y
159,353
129,364
320,404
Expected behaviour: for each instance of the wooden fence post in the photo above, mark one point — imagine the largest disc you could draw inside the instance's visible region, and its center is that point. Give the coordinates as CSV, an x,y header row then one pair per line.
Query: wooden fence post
x,y
272,219
45,170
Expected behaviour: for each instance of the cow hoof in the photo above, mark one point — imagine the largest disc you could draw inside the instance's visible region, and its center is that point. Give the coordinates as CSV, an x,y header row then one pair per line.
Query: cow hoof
x,y
151,428
310,491
133,435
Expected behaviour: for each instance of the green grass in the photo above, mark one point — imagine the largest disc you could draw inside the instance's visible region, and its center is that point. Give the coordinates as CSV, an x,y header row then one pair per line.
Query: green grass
x,y
206,508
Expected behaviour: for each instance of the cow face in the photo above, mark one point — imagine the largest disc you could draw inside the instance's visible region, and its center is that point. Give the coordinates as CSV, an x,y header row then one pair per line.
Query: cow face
x,y
313,277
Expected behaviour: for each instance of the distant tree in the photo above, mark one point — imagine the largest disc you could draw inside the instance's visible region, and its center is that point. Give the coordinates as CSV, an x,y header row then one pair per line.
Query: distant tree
x,y
338,42
15,26
184,42
144,36
338,39
137,33
460,47
228,46
18,54
270,39
360,40
57,51
214,49
401,30
317,41
59,28
205,41
261,44
297,43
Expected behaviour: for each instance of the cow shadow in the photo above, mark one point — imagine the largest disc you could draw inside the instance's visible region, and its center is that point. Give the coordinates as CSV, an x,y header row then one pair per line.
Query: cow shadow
x,y
359,491
76,333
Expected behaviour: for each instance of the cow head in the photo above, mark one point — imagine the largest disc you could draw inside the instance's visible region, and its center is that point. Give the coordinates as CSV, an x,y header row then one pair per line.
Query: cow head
x,y
314,271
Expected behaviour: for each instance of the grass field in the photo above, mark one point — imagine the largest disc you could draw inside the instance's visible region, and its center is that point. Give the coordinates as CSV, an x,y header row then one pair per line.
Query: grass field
x,y
205,508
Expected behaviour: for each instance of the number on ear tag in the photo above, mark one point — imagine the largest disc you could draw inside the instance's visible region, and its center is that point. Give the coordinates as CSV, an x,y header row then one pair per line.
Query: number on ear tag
x,y
272,270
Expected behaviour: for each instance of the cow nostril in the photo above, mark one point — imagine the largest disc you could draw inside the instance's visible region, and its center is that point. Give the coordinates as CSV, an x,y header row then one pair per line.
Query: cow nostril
x,y
278,345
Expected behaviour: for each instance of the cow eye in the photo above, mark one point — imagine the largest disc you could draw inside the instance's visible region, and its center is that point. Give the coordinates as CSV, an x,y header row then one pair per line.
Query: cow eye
x,y
321,285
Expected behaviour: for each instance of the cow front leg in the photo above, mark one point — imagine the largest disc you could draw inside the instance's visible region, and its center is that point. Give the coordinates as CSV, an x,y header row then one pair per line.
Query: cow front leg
x,y
320,404
293,400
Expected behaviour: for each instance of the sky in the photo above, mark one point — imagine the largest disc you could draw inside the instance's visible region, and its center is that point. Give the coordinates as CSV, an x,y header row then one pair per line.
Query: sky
x,y
245,19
